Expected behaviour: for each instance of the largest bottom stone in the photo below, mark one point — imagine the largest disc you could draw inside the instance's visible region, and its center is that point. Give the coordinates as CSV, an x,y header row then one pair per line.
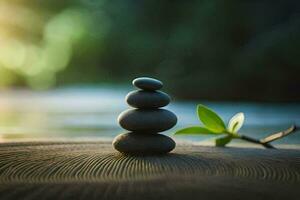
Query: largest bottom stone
x,y
136,143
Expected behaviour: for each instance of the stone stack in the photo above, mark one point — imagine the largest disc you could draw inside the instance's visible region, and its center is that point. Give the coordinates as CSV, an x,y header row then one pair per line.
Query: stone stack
x,y
145,120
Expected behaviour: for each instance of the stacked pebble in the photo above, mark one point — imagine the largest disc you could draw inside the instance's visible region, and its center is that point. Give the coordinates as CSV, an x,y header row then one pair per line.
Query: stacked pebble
x,y
145,120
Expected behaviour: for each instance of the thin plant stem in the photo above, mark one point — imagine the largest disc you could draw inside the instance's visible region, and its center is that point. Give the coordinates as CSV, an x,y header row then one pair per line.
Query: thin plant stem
x,y
253,140
266,141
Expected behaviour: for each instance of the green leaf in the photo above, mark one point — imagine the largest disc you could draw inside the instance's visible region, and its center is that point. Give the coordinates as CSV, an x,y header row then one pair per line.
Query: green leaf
x,y
236,122
195,130
221,142
210,119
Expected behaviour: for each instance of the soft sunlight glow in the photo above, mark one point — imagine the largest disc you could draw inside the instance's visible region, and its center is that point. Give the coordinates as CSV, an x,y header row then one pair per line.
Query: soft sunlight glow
x,y
35,50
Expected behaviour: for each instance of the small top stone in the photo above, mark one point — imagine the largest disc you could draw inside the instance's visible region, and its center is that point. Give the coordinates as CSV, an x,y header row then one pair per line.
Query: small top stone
x,y
146,83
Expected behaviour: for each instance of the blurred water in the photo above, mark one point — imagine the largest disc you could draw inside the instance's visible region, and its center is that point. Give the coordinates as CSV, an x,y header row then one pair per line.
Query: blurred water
x,y
85,113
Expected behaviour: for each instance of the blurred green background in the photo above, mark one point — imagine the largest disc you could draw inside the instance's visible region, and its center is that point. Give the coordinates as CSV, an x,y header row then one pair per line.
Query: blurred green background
x,y
204,49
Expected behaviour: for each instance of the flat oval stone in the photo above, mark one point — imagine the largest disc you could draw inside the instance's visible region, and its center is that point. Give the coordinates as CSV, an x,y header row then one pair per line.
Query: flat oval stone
x,y
147,99
152,120
146,83
144,144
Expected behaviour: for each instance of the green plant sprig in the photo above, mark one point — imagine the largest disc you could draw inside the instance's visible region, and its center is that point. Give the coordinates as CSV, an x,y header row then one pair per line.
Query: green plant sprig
x,y
214,125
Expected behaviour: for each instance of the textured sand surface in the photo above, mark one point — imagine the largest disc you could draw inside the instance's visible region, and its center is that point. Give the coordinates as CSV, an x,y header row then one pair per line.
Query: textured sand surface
x,y
93,170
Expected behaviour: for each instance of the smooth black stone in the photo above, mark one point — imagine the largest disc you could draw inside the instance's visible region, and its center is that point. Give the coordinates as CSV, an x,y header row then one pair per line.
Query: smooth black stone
x,y
152,120
143,144
146,83
147,99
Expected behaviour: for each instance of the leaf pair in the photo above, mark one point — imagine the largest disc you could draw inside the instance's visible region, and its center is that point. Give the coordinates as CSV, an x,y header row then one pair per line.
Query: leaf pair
x,y
212,122
214,125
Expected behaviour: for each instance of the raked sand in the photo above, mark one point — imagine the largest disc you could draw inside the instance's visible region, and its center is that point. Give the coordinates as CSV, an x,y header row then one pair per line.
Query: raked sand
x,y
94,170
